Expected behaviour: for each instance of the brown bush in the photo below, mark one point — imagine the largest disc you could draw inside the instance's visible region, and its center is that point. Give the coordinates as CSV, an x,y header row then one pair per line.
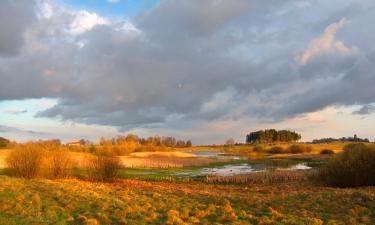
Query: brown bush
x,y
104,167
258,148
295,149
25,160
354,167
59,164
277,150
327,152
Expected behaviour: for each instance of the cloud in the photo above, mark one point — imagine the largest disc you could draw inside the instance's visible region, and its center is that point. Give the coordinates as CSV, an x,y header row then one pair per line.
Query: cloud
x,y
15,17
8,129
14,111
187,64
85,21
365,110
327,43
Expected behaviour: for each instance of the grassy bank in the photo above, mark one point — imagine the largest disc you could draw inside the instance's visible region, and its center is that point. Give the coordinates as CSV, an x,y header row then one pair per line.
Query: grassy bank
x,y
141,202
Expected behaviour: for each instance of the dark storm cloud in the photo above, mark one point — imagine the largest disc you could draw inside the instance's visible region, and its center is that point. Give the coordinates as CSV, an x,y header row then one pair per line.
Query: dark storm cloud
x,y
15,16
197,61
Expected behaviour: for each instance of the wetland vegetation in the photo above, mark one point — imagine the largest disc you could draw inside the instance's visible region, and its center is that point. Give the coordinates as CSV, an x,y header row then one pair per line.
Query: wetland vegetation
x,y
47,182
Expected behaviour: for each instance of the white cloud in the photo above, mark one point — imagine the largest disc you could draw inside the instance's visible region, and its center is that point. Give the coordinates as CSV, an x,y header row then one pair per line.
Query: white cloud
x,y
326,43
45,9
85,21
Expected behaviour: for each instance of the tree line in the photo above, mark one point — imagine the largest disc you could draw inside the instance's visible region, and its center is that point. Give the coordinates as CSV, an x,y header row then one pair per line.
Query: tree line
x,y
355,138
153,140
272,135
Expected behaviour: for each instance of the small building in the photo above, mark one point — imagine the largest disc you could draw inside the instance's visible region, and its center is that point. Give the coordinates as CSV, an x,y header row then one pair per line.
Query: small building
x,y
73,144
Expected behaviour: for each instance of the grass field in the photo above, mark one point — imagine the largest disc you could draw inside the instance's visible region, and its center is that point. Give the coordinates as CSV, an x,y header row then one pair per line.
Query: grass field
x,y
143,202
147,195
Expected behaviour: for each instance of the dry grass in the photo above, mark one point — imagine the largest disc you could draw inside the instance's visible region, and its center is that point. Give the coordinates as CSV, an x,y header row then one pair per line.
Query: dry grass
x,y
273,177
26,161
103,168
174,154
4,153
173,159
141,202
58,164
166,162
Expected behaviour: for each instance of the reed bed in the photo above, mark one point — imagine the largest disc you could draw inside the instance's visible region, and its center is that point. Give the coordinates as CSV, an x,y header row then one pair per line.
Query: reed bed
x,y
270,177
166,162
173,154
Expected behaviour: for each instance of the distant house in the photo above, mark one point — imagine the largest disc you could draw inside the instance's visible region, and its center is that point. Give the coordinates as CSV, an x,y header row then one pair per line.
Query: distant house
x,y
73,144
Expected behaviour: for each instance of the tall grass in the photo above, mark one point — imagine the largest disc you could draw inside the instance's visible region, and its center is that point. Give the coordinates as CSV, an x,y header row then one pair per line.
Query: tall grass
x,y
59,164
32,160
104,166
25,160
355,166
270,177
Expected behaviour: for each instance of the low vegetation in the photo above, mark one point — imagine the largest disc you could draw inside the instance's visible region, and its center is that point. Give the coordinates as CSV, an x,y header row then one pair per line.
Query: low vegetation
x,y
4,143
104,167
140,202
292,149
354,167
141,196
32,160
273,177
327,152
166,162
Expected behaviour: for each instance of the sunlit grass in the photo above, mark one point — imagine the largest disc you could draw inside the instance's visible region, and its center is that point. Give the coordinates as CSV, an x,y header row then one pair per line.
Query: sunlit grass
x,y
141,202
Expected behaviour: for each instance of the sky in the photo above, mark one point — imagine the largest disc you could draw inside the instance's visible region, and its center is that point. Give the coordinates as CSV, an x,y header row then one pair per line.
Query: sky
x,y
201,70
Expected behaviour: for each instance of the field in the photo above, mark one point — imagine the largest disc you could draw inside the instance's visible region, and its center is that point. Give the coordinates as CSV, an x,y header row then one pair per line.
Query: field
x,y
170,159
147,192
144,202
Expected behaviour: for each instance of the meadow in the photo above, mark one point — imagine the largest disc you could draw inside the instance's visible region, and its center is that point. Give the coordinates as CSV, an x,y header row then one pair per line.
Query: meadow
x,y
143,202
151,193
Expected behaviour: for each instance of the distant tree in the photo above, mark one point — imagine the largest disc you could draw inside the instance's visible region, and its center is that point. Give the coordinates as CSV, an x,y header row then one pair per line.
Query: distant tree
x,y
181,143
355,138
84,142
272,135
4,142
169,141
105,142
188,143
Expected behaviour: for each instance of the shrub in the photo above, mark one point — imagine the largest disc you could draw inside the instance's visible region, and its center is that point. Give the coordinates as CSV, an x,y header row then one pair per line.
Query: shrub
x,y
327,152
104,167
258,148
295,149
59,164
355,166
4,142
277,150
25,160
